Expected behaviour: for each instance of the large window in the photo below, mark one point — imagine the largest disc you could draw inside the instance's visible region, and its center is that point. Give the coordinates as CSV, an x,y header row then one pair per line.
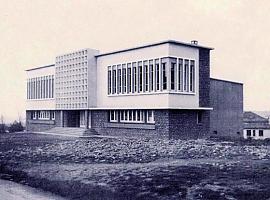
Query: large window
x,y
154,75
132,116
43,115
40,87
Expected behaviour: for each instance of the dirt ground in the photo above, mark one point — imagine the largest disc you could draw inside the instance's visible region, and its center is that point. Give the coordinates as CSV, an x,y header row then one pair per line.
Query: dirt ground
x,y
137,168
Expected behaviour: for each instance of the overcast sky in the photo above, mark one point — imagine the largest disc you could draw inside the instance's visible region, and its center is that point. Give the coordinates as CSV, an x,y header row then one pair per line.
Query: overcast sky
x,y
33,32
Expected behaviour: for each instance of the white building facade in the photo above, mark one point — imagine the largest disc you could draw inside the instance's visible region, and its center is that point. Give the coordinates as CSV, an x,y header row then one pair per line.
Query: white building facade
x,y
161,88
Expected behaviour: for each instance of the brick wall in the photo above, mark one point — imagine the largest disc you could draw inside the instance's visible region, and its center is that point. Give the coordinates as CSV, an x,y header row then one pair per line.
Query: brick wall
x,y
100,120
183,124
176,124
41,125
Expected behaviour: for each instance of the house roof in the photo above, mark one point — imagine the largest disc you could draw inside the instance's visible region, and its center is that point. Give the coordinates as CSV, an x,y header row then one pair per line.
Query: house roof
x,y
251,117
155,44
256,126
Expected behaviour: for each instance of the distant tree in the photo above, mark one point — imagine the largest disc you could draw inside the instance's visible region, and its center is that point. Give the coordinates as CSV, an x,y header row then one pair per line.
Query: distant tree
x,y
15,127
3,126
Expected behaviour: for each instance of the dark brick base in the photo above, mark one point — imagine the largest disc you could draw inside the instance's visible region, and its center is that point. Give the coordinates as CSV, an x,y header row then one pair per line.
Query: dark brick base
x,y
176,124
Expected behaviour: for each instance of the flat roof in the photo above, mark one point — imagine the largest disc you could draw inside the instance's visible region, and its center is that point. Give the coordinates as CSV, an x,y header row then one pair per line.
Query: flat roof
x,y
155,44
45,66
234,82
144,108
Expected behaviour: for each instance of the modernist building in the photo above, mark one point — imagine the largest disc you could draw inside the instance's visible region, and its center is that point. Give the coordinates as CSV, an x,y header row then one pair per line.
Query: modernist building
x,y
255,126
157,89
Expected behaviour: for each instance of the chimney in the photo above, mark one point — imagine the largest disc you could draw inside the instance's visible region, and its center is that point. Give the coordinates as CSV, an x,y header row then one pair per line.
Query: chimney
x,y
194,42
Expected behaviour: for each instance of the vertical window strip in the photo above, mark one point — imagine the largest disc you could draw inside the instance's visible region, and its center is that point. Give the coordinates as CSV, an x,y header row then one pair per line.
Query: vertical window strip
x,y
52,86
192,76
134,78
164,75
146,76
109,81
119,79
157,75
124,79
129,78
140,74
172,72
151,76
186,75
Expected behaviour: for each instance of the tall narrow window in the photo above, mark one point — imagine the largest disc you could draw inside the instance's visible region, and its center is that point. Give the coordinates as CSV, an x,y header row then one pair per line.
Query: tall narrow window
x,y
129,78
119,80
49,88
173,70
52,86
164,75
109,81
146,78
157,74
27,89
192,76
124,78
186,75
140,73
180,74
134,77
151,76
114,81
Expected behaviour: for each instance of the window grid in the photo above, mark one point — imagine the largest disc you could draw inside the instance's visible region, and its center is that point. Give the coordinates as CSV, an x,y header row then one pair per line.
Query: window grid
x,y
155,75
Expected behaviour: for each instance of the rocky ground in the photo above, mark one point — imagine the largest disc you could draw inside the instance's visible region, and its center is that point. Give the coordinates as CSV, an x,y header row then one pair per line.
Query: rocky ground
x,y
137,168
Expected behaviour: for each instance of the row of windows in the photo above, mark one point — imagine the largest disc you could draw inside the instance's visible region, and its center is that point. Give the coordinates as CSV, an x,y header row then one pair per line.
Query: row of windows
x,y
173,74
254,133
40,87
132,116
43,114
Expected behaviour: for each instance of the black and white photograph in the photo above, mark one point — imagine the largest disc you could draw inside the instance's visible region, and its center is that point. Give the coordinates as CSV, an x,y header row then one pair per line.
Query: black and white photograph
x,y
134,100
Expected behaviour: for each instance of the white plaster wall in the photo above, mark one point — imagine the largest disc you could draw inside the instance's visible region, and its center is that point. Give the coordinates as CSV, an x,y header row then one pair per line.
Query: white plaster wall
x,y
41,104
160,100
41,72
266,134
